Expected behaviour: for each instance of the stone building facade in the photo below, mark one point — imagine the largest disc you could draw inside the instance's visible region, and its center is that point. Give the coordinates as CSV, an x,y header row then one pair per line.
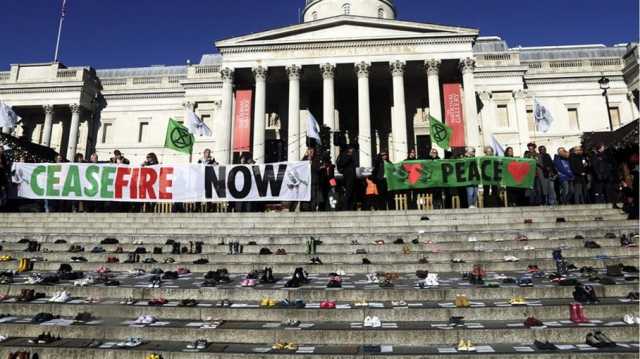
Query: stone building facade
x,y
371,78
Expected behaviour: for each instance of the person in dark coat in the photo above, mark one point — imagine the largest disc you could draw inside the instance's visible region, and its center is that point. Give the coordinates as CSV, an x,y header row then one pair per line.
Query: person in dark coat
x,y
605,177
578,165
385,199
347,166
315,180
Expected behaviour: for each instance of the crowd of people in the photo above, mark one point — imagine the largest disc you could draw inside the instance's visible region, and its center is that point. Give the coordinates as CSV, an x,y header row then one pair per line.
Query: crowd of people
x,y
571,176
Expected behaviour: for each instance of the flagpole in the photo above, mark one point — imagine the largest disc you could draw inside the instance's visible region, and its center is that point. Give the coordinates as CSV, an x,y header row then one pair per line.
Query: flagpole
x,y
55,56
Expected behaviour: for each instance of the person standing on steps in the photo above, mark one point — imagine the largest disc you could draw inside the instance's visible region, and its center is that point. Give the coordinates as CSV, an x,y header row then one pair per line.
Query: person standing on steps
x,y
347,166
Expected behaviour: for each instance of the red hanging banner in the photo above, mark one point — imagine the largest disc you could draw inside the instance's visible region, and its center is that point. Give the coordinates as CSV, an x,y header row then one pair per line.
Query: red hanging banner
x,y
242,123
453,113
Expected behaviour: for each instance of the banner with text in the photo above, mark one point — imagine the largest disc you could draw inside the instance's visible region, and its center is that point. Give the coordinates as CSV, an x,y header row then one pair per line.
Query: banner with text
x,y
242,128
501,171
453,115
286,181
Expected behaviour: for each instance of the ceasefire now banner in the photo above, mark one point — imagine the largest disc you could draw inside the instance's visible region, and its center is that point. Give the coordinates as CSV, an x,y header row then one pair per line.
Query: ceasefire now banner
x,y
286,181
501,171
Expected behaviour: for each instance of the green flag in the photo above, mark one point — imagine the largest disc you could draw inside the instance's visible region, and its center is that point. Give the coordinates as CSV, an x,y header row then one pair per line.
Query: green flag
x,y
440,133
178,138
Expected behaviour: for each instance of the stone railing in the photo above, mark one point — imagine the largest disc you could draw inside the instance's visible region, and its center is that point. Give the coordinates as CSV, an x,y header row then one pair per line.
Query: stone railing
x,y
203,71
575,65
498,59
5,76
152,81
67,74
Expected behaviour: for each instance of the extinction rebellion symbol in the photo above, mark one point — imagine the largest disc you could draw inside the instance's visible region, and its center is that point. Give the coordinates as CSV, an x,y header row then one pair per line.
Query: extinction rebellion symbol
x,y
181,138
439,132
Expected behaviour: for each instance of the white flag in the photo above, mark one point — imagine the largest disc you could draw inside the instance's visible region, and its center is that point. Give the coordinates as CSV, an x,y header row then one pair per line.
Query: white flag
x,y
498,150
8,117
196,126
313,130
543,116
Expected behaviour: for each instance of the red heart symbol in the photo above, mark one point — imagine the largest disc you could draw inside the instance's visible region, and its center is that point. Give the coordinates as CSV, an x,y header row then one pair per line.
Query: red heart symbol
x,y
518,170
413,170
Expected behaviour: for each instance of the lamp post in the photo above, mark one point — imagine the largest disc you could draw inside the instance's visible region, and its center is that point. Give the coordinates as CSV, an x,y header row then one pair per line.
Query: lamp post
x,y
604,86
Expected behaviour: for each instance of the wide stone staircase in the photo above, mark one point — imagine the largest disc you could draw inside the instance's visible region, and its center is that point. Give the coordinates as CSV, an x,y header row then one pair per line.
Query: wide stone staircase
x,y
402,284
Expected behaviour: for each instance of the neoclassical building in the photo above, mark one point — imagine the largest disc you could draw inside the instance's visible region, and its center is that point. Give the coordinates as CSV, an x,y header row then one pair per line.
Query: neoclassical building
x,y
370,77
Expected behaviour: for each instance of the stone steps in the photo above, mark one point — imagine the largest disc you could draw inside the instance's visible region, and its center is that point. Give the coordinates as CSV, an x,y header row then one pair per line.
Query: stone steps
x,y
467,234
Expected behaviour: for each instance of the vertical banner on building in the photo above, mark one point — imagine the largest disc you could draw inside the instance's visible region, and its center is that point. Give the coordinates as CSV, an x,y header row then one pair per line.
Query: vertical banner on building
x,y
453,113
242,127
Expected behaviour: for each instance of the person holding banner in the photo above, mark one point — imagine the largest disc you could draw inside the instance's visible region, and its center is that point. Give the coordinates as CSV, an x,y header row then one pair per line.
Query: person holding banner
x,y
327,200
435,192
490,193
472,191
514,195
207,159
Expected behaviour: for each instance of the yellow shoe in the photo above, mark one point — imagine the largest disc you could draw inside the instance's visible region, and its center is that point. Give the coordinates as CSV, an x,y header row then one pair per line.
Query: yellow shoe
x,y
458,301
470,347
271,303
21,265
278,346
264,302
462,346
291,346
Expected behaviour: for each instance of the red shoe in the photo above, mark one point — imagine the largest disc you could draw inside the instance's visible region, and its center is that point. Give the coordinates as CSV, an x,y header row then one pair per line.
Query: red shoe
x,y
573,313
327,304
583,318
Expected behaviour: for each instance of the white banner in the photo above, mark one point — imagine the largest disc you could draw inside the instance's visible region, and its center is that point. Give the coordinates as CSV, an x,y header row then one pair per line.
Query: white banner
x,y
285,181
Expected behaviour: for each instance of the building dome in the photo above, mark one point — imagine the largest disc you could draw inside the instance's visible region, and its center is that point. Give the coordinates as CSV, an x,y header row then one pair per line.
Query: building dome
x,y
321,9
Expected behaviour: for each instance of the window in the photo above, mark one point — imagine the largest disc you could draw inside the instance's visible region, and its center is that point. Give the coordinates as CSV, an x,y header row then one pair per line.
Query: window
x,y
503,116
106,132
574,123
346,8
314,15
531,121
615,116
206,119
142,131
380,13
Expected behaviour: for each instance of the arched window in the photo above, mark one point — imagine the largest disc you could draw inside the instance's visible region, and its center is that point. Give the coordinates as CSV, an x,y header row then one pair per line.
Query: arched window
x,y
314,15
380,13
346,8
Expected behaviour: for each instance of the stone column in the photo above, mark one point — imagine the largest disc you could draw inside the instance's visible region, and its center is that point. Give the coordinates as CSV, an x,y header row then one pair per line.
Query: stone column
x,y
48,125
470,108
433,87
364,114
399,120
259,114
634,108
329,102
222,133
293,143
73,131
520,97
488,115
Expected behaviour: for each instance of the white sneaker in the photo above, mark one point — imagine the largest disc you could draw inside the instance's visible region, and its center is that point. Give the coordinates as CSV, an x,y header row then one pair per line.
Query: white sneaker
x,y
341,273
54,298
63,297
510,259
629,319
472,207
139,320
149,319
472,239
367,322
3,338
375,322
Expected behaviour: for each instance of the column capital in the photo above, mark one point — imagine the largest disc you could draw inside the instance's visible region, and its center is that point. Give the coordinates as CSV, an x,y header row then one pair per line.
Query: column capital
x,y
227,74
260,73
362,69
485,95
397,68
519,94
630,96
189,106
467,65
48,109
75,108
294,72
432,66
328,71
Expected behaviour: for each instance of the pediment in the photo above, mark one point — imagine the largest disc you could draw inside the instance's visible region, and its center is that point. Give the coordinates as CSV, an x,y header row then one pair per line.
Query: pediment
x,y
347,28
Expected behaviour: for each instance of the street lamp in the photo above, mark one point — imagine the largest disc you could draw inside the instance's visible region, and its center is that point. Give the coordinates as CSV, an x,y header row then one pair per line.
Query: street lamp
x,y
604,86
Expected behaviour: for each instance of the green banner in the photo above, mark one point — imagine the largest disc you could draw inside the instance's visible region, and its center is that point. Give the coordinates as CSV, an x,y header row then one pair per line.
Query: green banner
x,y
501,171
440,133
178,138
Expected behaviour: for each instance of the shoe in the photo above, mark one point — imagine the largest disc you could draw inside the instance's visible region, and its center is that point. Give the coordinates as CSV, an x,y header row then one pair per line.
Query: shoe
x,y
629,319
591,340
603,338
470,347
462,346
532,322
367,322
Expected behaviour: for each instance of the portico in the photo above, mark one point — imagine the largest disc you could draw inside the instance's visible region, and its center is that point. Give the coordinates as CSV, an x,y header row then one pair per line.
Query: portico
x,y
353,81
67,118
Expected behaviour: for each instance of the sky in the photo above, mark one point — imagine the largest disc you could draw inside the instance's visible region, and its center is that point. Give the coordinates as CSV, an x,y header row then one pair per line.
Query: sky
x,y
131,33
